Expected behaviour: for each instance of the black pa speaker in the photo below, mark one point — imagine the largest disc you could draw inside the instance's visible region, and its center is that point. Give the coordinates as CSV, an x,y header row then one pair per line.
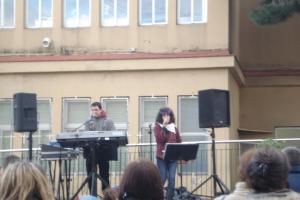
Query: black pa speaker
x,y
213,108
25,112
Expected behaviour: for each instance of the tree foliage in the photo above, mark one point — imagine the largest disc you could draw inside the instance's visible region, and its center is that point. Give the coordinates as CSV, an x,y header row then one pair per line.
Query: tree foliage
x,y
272,12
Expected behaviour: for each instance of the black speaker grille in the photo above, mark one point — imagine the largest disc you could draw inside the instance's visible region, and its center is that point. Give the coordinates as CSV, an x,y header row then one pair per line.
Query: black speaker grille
x,y
214,108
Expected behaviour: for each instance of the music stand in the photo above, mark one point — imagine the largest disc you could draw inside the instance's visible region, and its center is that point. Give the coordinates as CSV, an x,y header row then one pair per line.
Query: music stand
x,y
179,151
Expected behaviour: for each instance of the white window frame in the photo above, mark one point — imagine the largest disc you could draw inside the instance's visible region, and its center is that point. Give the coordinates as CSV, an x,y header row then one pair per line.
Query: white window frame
x,y
40,16
153,15
115,15
2,16
8,127
77,16
202,133
42,126
192,21
142,123
119,126
180,97
65,125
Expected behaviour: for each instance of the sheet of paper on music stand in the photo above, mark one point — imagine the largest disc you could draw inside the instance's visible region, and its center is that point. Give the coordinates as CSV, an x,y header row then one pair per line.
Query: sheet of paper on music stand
x,y
179,151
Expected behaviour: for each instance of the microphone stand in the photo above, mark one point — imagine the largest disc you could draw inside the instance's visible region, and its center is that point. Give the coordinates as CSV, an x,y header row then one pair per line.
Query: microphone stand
x,y
87,121
150,135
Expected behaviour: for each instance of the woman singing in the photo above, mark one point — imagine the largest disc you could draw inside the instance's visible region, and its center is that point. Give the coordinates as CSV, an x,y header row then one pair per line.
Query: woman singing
x,y
166,132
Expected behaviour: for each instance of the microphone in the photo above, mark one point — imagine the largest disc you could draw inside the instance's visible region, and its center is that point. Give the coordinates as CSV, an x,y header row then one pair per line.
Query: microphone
x,y
150,128
83,124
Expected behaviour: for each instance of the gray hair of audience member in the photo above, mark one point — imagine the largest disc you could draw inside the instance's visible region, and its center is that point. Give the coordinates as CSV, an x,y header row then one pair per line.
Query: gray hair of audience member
x,y
10,159
268,170
293,155
23,181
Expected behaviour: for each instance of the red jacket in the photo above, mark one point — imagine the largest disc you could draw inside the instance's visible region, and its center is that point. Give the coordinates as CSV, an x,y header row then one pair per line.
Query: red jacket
x,y
162,137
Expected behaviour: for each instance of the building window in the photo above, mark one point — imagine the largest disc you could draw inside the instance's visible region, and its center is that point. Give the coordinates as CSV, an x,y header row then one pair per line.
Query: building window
x,y
153,12
75,112
117,110
190,131
148,109
7,13
39,13
77,13
44,132
191,11
6,123
115,12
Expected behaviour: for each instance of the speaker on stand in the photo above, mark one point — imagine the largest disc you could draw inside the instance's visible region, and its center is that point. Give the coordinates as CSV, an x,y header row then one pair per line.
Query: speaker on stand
x,y
25,115
214,112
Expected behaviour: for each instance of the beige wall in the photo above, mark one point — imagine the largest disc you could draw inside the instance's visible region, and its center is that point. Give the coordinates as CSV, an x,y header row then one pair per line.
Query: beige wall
x,y
266,107
171,83
158,38
264,46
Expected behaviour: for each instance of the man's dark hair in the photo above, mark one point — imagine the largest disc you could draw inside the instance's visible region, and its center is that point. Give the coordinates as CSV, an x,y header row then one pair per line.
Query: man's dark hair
x,y
141,180
268,170
96,104
10,159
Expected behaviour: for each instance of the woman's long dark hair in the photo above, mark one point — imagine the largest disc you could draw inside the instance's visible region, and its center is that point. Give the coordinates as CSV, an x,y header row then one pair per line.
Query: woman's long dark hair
x,y
164,111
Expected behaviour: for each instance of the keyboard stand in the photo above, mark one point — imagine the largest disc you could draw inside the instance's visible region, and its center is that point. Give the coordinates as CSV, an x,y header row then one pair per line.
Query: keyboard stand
x,y
93,174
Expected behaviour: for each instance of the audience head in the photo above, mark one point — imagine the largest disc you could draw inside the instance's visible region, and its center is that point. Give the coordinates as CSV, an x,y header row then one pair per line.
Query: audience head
x,y
141,181
24,181
244,163
293,155
10,159
110,194
267,171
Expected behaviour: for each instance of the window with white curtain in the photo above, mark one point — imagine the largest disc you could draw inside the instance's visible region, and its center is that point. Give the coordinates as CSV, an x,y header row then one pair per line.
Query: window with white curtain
x,y
44,119
117,110
75,112
39,13
7,13
191,11
77,13
148,109
188,119
153,12
115,12
6,123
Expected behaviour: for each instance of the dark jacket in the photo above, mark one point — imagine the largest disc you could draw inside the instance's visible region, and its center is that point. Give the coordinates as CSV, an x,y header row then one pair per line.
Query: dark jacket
x,y
294,178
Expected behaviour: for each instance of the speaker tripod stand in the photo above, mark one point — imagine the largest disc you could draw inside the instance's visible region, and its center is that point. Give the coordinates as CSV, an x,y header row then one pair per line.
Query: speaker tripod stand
x,y
215,178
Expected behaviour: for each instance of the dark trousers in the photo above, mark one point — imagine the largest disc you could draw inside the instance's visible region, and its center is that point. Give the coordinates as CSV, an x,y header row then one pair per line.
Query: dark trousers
x,y
103,167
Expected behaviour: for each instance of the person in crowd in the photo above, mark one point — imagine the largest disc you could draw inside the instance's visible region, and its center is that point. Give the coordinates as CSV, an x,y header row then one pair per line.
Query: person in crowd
x,y
141,181
165,132
100,122
241,190
293,155
10,159
24,181
110,194
267,175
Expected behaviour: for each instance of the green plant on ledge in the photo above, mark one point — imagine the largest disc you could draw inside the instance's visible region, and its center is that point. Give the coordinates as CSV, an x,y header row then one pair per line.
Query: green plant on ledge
x,y
271,143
